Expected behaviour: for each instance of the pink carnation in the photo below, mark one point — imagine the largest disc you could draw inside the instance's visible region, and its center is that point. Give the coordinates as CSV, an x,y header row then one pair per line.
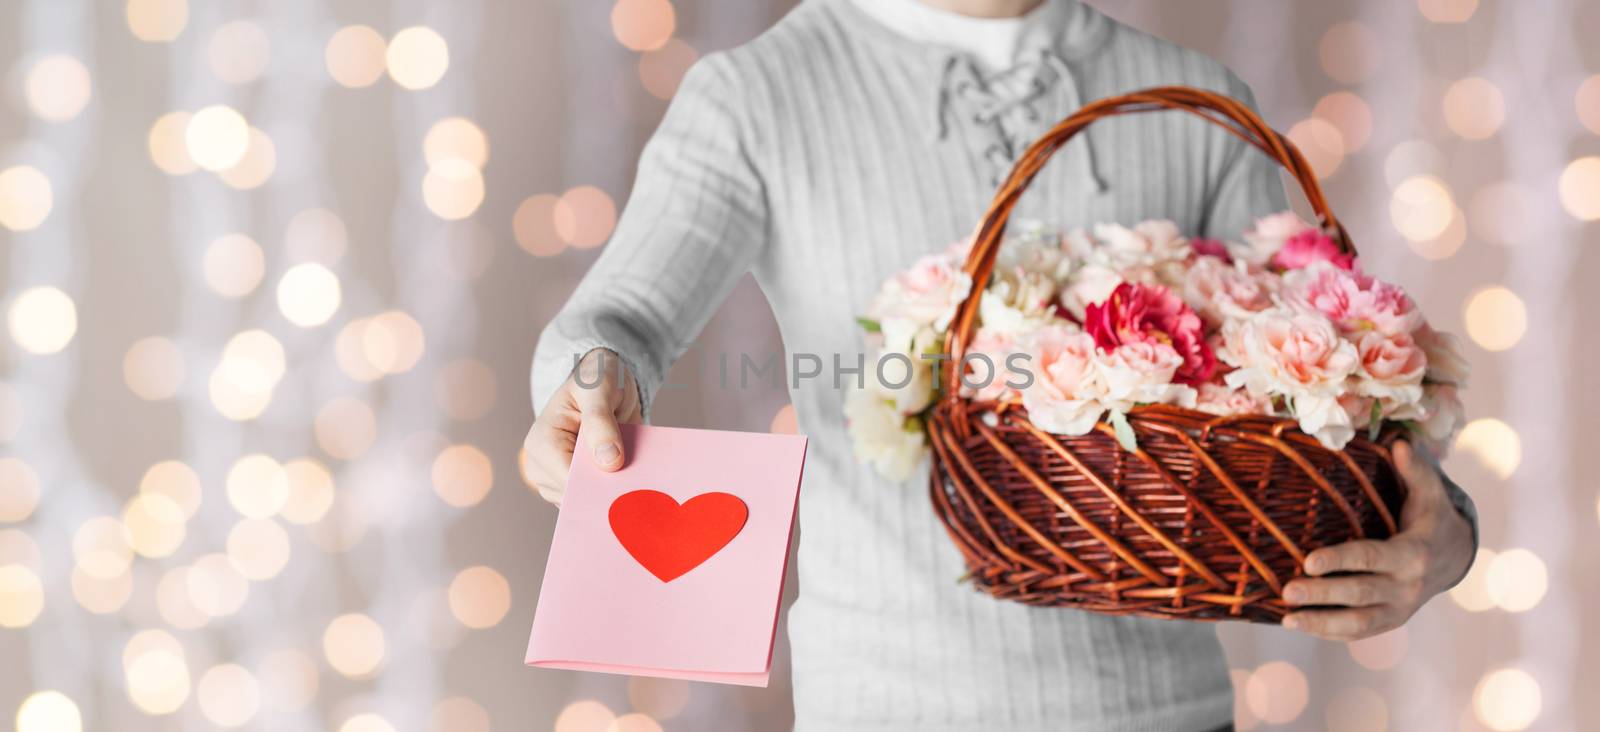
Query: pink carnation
x,y
1308,246
1354,301
1144,313
1217,398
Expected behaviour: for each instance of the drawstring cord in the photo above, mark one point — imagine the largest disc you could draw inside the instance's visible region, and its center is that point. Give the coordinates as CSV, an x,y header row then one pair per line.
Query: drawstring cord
x,y
994,97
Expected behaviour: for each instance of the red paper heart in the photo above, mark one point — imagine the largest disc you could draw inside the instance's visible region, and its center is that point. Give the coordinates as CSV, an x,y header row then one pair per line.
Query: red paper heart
x,y
670,539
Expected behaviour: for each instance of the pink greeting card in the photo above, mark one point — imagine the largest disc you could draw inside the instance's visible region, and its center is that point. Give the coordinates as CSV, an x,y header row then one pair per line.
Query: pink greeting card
x,y
672,566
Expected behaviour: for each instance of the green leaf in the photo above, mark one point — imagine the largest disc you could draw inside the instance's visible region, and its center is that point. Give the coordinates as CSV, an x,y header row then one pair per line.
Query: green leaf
x,y
1375,422
1125,436
869,325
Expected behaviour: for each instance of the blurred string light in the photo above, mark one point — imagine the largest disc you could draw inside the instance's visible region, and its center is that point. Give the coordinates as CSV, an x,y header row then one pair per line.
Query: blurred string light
x,y
453,189
242,384
534,227
101,548
308,294
157,20
1412,158
1277,692
417,57
228,695
479,597
256,166
238,52
214,586
1495,318
1474,108
584,715
458,138
155,672
388,343
1321,143
310,491
1494,443
25,198
1421,208
1507,700
1350,115
176,481
49,711
1244,720
643,25
257,486
1357,709
662,69
166,144
1516,580
101,595
366,722
1580,188
258,549
154,525
58,87
1447,11
462,475
662,699
584,217
21,596
217,137
1587,103
19,490
233,265
153,368
1350,52
354,645
355,56
42,320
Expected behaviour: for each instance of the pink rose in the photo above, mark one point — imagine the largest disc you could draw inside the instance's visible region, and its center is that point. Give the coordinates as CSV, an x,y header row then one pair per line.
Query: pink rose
x,y
1141,313
1352,300
926,294
1064,396
1283,352
1310,246
1214,397
1391,367
1221,291
1211,248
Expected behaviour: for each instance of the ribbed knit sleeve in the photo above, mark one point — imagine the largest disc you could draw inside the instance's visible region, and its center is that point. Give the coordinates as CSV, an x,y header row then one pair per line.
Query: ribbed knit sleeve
x,y
694,222
1251,184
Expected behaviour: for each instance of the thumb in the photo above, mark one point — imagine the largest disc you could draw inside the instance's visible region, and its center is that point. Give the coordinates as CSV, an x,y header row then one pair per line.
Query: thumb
x,y
600,433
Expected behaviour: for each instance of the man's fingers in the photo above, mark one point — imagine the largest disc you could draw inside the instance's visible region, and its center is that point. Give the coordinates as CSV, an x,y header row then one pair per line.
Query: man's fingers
x,y
1352,591
1395,556
1348,624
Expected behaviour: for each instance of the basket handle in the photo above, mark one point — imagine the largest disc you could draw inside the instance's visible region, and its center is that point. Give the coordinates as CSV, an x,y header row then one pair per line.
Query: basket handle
x,y
1226,112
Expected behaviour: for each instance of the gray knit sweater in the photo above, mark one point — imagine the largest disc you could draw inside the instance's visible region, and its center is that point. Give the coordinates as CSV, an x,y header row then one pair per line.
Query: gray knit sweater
x,y
824,156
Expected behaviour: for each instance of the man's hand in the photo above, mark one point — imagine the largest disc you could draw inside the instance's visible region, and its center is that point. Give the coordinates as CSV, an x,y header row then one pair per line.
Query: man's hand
x,y
600,394
1377,585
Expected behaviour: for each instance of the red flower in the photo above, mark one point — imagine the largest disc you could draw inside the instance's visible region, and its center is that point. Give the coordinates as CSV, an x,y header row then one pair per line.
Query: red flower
x,y
1140,313
1211,248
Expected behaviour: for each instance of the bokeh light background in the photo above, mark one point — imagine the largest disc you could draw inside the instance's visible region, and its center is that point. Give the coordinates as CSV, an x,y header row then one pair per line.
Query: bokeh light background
x,y
272,273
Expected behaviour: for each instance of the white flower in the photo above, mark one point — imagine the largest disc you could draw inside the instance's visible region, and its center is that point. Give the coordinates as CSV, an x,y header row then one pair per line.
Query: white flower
x,y
1445,362
882,436
1147,244
1065,396
1324,418
1018,301
900,374
1089,284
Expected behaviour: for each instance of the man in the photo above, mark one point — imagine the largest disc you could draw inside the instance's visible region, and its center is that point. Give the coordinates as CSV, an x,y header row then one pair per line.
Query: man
x,y
832,151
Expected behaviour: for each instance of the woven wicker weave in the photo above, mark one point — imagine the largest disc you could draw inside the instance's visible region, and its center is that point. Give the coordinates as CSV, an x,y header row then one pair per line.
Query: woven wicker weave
x,y
1207,520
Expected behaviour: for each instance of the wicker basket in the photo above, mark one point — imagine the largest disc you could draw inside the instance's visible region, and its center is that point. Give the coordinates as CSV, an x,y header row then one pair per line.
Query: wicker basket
x,y
1207,520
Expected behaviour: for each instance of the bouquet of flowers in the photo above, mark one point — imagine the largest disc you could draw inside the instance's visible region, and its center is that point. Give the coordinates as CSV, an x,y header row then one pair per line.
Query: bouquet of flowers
x,y
1084,326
